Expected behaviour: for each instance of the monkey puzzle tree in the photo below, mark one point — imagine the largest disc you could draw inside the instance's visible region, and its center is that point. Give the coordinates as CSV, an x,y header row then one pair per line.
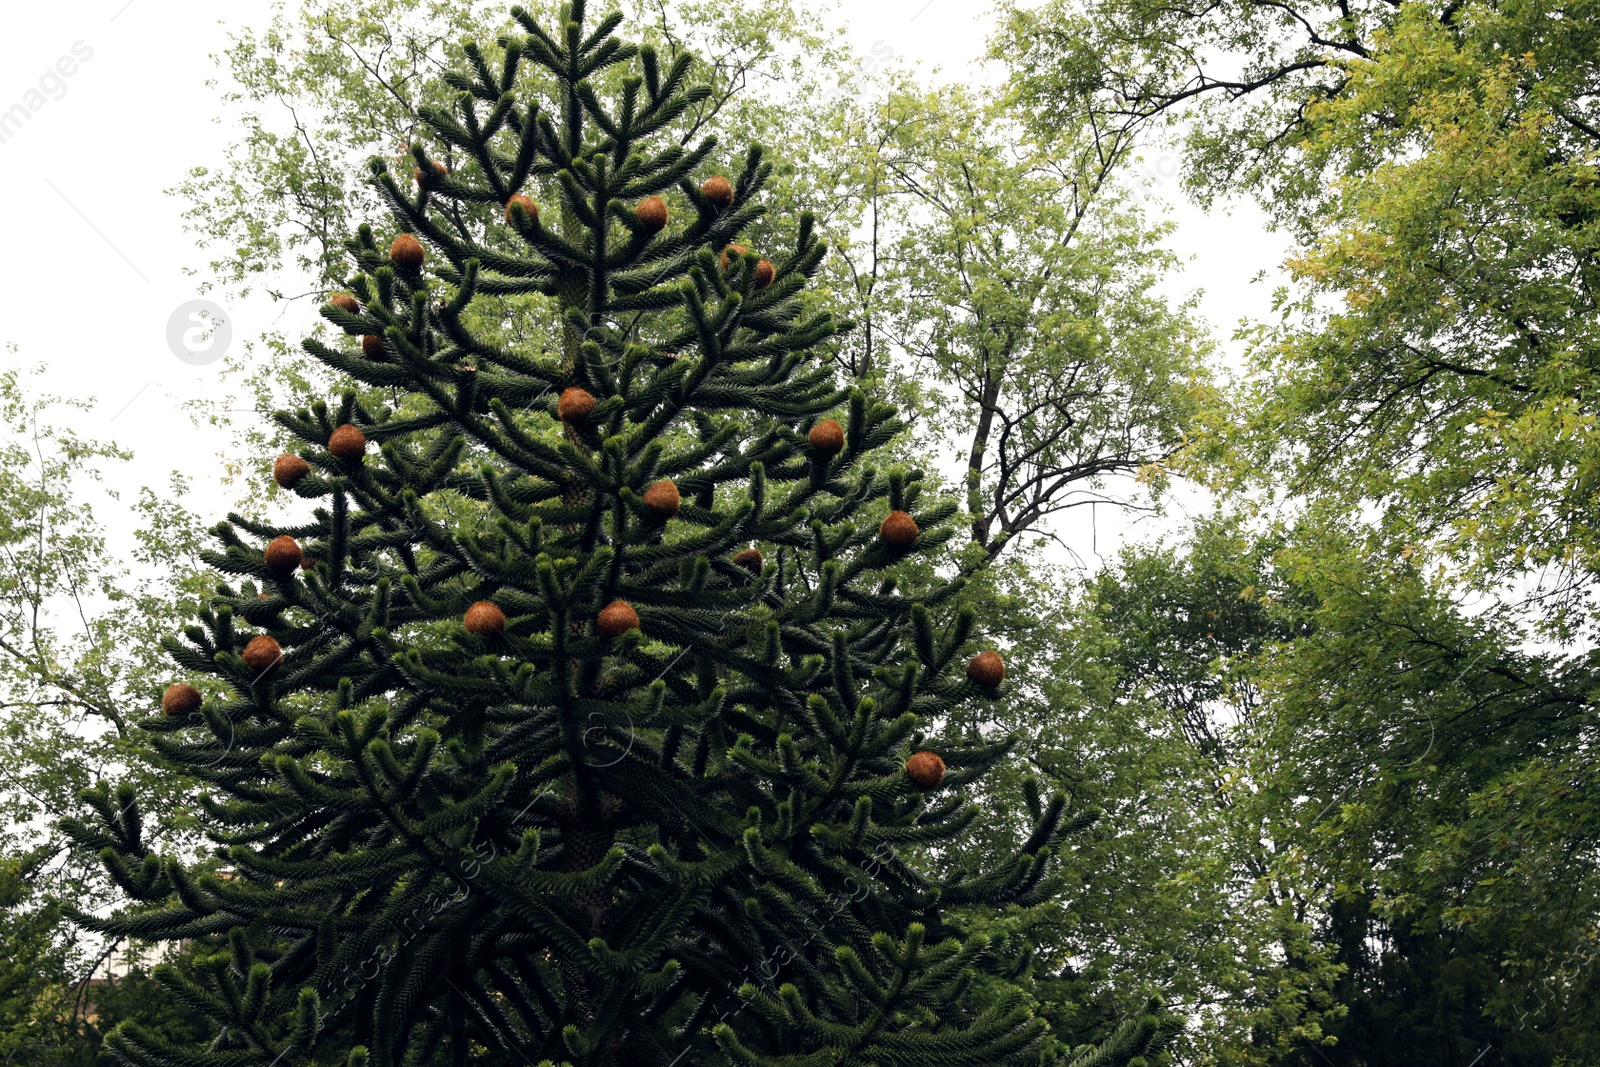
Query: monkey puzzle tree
x,y
580,720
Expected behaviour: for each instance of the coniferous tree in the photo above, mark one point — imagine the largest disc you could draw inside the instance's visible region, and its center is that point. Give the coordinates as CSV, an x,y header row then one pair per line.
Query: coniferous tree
x,y
581,721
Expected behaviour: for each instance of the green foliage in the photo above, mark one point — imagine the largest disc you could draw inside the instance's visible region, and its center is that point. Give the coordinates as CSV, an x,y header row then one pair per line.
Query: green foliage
x,y
274,211
1423,747
1020,292
33,969
274,205
79,650
1303,744
1133,1043
51,1014
1141,705
1447,385
78,634
1462,251
1237,77
1472,817
1417,995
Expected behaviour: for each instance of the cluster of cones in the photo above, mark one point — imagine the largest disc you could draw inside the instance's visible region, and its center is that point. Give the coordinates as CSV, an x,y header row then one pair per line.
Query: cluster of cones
x,y
651,215
575,406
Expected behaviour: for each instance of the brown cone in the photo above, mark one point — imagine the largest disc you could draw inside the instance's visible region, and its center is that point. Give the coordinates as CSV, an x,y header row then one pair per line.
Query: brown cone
x,y
731,253
527,205
262,654
287,470
663,499
283,555
348,443
372,346
439,168
987,669
899,529
827,438
407,253
719,191
926,770
765,272
651,213
308,564
616,619
180,699
751,560
575,405
345,302
485,619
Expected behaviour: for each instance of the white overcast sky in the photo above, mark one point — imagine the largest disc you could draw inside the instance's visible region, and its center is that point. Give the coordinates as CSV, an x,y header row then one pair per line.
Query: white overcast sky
x,y
95,258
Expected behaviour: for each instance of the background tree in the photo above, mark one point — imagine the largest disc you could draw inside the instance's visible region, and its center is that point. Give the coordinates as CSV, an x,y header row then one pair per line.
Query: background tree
x,y
1431,368
1343,711
1419,749
1239,77
1145,706
78,627
1021,291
